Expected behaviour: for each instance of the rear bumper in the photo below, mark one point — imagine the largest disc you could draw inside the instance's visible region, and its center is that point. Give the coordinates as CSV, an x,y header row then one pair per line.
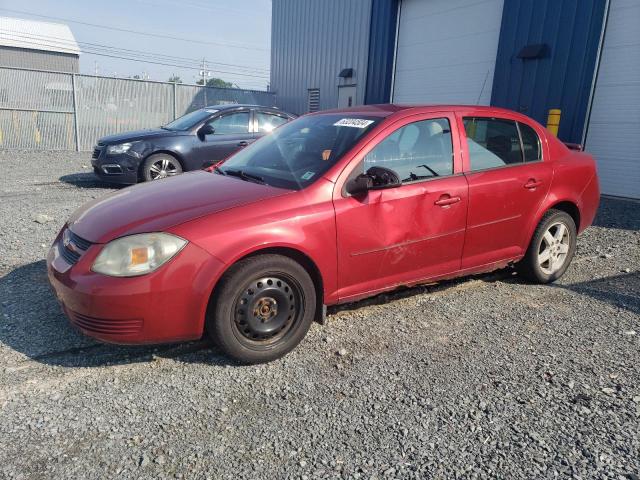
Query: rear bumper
x,y
165,306
590,200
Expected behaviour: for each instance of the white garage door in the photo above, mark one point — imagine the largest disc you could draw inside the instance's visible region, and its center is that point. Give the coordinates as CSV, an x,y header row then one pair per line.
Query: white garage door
x,y
614,130
446,51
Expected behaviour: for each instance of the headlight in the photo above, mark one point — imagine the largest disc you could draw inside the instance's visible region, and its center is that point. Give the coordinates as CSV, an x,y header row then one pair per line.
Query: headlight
x,y
120,148
137,254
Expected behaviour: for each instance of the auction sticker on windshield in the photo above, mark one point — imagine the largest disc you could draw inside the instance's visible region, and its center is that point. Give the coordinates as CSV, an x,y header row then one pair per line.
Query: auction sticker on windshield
x,y
353,122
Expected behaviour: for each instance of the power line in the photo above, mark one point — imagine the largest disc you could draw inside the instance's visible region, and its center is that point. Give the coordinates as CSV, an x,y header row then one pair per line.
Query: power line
x,y
149,34
124,51
134,59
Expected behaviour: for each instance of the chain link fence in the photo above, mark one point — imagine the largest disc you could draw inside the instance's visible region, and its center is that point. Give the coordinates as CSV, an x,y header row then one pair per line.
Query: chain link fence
x,y
64,111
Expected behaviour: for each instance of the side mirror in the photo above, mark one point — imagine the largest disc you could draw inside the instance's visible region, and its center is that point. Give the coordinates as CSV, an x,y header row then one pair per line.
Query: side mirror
x,y
376,178
359,185
206,130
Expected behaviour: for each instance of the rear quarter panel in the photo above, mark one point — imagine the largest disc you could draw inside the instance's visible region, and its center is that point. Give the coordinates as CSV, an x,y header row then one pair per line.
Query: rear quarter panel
x,y
575,180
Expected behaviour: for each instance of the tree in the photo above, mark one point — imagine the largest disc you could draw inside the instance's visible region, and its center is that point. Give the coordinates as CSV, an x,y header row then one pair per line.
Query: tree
x,y
174,79
216,82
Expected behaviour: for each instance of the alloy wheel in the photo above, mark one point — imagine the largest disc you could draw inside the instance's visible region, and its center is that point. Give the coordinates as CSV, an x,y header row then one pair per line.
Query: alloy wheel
x,y
163,168
554,248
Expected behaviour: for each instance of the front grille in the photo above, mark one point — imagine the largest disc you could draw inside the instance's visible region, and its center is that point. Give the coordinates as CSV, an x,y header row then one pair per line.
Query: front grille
x,y
80,242
128,326
71,257
96,152
72,246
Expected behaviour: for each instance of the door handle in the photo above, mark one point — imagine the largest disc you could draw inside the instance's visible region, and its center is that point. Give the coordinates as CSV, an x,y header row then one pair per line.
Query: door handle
x,y
532,183
243,143
446,200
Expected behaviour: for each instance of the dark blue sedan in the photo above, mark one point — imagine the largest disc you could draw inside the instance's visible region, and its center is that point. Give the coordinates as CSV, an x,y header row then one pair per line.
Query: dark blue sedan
x,y
194,141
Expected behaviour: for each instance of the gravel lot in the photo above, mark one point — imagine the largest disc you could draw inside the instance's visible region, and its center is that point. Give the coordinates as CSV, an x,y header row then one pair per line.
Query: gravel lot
x,y
479,378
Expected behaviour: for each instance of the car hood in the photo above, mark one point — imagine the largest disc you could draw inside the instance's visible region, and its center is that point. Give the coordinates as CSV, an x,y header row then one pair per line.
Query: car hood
x,y
137,135
159,205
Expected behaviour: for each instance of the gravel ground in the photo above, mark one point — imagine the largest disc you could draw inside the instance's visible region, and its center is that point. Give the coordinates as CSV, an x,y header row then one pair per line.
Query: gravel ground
x,y
483,377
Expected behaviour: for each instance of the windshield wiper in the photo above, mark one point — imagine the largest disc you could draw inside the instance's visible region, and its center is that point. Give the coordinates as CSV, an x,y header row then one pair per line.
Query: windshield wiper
x,y
165,128
245,176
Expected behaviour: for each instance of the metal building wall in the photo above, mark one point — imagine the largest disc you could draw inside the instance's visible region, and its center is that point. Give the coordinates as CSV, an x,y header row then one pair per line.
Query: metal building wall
x,y
39,60
384,19
311,42
563,77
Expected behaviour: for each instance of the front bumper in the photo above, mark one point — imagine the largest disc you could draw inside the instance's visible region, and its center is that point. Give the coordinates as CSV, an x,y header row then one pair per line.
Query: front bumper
x,y
167,305
122,168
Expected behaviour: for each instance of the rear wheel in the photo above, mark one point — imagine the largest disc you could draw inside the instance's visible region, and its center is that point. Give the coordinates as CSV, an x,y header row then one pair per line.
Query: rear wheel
x,y
160,165
262,308
552,248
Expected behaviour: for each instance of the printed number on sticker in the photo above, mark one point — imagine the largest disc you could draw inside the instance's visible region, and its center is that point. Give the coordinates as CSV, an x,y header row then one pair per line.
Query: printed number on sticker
x,y
353,122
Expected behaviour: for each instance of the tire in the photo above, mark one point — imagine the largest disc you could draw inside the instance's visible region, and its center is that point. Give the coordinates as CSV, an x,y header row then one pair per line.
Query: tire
x,y
160,165
262,308
551,250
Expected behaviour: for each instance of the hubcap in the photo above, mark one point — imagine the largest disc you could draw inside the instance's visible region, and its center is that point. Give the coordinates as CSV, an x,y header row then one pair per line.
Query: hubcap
x,y
554,248
267,309
162,168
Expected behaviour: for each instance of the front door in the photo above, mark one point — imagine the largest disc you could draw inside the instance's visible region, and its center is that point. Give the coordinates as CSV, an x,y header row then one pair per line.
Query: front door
x,y
231,133
508,180
411,232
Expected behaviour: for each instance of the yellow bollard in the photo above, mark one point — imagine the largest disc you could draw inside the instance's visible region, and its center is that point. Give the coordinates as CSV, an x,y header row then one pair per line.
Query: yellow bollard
x,y
553,120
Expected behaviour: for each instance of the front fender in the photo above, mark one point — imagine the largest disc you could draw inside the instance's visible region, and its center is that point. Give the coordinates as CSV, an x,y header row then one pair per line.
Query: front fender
x,y
275,223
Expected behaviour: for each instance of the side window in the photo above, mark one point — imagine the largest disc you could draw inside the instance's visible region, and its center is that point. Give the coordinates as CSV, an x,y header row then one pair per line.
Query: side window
x,y
268,122
231,124
530,143
416,151
492,142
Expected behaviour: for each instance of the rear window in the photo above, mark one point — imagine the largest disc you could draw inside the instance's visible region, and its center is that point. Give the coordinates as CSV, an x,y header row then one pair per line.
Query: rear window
x,y
530,143
493,142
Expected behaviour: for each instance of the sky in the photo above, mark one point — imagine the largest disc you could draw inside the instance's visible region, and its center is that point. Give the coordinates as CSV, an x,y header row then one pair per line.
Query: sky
x,y
232,35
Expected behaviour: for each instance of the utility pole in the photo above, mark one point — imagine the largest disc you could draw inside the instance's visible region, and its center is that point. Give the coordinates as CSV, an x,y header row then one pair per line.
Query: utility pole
x,y
95,68
204,73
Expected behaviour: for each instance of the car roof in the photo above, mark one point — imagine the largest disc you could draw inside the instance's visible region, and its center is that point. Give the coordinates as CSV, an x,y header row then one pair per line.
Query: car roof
x,y
384,110
228,106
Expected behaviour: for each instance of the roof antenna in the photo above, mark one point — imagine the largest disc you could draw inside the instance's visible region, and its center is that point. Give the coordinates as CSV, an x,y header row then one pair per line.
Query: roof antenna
x,y
483,85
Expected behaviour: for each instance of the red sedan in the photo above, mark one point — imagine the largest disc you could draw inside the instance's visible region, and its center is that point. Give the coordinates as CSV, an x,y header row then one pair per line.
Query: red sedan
x,y
330,208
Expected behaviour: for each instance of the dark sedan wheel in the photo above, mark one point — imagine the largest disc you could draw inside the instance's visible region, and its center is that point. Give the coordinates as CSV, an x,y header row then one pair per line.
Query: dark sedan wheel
x,y
160,166
262,309
552,248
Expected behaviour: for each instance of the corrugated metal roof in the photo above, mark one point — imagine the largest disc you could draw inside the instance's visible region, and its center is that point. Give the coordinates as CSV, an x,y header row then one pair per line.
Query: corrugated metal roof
x,y
34,35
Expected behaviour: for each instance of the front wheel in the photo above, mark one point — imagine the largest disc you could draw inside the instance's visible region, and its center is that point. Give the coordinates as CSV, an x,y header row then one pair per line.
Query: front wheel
x,y
552,248
262,308
160,165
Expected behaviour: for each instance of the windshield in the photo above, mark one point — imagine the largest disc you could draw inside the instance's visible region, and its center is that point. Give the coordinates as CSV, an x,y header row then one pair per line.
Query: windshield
x,y
190,120
298,153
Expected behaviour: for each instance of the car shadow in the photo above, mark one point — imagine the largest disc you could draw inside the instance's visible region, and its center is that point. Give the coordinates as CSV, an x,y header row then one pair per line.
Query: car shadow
x,y
88,180
621,291
32,323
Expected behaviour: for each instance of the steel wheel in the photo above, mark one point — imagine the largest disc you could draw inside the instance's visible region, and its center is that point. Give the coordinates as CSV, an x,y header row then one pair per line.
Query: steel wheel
x,y
266,310
164,167
554,248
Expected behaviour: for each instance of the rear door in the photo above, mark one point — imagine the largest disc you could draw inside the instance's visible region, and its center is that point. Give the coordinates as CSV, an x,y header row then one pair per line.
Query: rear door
x,y
410,232
508,180
267,121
